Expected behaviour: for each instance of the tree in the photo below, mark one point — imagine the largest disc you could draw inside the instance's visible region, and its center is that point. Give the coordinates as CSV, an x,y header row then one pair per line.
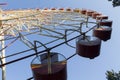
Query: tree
x,y
112,75
115,3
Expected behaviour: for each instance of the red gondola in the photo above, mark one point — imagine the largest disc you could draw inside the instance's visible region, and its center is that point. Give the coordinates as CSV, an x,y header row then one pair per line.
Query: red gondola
x,y
76,10
83,11
68,9
45,8
101,17
61,9
106,23
103,32
95,14
53,9
88,46
51,67
89,13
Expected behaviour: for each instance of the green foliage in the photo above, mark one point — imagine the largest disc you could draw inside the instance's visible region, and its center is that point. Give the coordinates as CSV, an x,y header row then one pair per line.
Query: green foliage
x,y
115,3
111,75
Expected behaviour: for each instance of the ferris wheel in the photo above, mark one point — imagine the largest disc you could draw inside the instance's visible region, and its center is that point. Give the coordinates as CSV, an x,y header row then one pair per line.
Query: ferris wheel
x,y
55,25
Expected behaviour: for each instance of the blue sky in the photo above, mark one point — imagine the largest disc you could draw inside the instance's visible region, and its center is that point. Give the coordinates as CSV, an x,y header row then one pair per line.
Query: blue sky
x,y
79,68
